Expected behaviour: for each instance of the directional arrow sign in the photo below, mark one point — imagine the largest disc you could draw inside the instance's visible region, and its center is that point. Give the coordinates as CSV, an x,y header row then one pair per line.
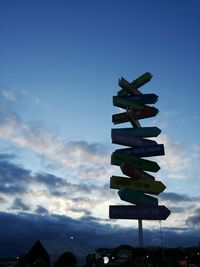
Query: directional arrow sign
x,y
143,151
150,187
129,170
158,213
126,103
144,113
143,164
137,114
120,118
130,140
142,98
129,88
136,197
145,78
141,132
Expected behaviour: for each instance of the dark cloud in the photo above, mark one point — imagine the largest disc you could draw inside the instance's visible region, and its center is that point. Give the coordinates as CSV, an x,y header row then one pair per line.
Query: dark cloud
x,y
2,200
5,157
20,231
194,221
19,205
78,210
41,210
171,196
175,209
49,180
94,148
13,178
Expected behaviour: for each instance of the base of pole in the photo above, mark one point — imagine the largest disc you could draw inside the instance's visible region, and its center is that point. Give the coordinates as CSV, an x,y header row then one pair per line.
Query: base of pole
x,y
140,232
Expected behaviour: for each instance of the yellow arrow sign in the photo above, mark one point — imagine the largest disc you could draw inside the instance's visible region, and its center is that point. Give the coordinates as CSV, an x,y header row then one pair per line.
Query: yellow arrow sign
x,y
146,186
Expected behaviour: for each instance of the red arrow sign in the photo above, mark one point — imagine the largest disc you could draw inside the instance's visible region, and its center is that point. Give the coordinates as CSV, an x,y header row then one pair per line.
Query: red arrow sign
x,y
137,114
130,140
128,87
159,213
129,170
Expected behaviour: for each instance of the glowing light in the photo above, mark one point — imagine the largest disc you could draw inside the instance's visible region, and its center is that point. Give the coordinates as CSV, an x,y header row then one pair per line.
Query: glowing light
x,y
105,260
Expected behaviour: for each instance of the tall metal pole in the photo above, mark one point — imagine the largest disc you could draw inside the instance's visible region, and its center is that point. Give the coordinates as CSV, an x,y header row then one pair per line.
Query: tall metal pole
x,y
140,232
161,236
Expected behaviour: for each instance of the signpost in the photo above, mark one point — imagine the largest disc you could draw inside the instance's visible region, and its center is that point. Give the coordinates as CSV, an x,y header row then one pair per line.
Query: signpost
x,y
138,183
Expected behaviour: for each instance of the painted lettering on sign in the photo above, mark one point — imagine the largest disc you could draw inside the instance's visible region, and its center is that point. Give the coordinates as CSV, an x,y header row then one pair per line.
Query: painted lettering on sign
x,y
145,186
147,151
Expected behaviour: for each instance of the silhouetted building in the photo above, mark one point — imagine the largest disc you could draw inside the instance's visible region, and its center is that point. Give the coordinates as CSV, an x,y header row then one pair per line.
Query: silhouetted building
x,y
46,252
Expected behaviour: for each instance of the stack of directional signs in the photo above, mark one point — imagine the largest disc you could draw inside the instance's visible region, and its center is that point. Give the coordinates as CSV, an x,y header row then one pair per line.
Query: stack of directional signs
x,y
138,185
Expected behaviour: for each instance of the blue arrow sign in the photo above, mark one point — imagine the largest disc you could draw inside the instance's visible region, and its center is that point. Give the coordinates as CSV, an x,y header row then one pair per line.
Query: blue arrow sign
x,y
158,213
140,132
131,140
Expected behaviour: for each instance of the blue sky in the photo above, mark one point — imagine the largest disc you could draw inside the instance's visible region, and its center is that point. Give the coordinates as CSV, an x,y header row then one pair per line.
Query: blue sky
x,y
59,68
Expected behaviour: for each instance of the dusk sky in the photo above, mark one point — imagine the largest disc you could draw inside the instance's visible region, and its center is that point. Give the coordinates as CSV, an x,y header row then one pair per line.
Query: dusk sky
x,y
60,62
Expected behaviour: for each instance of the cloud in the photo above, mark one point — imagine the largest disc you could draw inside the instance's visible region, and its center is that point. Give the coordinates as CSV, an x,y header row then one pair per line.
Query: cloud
x,y
20,231
18,204
194,220
9,95
41,210
13,179
175,197
176,161
55,194
37,139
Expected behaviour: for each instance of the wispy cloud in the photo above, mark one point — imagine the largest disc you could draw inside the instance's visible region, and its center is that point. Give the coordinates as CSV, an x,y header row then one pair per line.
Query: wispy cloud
x,y
176,160
36,138
55,194
9,95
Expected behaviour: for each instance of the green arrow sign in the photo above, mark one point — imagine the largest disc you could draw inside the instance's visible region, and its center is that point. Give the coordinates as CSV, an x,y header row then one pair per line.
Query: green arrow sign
x,y
129,170
137,197
145,78
147,165
151,187
140,132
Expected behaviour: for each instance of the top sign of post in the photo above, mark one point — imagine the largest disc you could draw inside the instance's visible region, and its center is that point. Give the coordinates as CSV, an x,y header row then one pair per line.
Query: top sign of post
x,y
132,87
